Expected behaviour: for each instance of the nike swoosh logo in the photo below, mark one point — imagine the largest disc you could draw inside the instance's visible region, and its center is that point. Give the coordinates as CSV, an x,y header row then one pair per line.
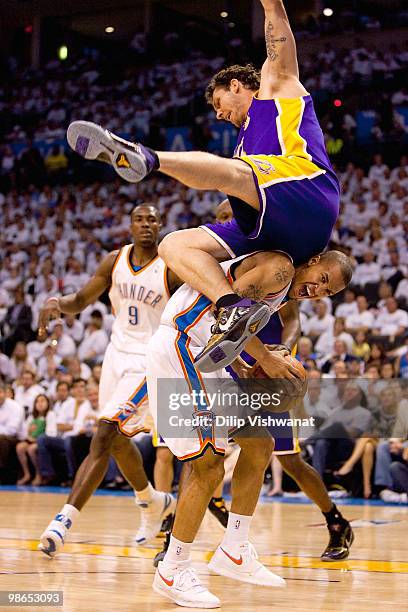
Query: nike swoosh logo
x,y
168,582
236,561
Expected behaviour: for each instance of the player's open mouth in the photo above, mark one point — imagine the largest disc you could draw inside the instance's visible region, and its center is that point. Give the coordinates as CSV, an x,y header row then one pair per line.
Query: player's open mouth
x,y
306,291
229,116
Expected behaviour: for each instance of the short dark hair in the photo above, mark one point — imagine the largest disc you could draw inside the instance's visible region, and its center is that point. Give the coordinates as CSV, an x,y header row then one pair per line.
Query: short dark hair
x,y
248,75
63,382
146,205
339,258
96,314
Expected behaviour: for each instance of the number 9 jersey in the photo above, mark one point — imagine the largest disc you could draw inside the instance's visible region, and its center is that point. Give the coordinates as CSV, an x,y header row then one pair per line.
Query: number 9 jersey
x,y
138,297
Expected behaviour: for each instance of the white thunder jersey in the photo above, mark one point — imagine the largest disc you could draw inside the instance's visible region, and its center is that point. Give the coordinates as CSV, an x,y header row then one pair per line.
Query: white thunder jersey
x,y
190,312
138,300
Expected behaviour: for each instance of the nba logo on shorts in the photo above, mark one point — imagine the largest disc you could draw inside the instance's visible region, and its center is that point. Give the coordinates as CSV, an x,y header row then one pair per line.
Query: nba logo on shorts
x,y
178,550
237,524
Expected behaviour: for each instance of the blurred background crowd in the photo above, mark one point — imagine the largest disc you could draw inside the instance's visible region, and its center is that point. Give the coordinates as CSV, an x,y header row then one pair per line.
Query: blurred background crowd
x,y
60,216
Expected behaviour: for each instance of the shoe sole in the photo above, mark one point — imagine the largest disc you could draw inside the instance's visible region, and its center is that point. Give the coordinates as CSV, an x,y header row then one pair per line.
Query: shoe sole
x,y
345,555
91,141
224,351
170,509
182,602
223,571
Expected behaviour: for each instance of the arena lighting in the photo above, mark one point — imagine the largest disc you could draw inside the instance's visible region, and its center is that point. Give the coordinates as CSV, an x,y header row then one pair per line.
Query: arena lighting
x,y
28,29
63,53
337,102
224,14
231,24
328,12
109,29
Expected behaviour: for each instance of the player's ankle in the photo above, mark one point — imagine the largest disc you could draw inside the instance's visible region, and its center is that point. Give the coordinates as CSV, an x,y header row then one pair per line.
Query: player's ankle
x,y
70,512
178,552
334,516
237,532
227,300
148,494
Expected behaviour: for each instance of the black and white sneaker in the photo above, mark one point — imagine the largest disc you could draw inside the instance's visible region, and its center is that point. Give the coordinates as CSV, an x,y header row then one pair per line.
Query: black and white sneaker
x,y
341,539
132,161
234,326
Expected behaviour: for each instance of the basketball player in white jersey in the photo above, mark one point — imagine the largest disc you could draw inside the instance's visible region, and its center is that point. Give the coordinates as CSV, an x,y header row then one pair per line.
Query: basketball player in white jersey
x,y
140,285
184,330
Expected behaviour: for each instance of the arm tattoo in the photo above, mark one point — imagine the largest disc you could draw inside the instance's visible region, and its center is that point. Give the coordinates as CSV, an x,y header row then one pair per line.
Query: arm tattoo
x,y
282,276
271,42
253,292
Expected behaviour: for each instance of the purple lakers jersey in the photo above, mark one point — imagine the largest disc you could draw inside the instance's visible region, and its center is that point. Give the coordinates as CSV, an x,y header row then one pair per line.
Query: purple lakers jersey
x,y
283,126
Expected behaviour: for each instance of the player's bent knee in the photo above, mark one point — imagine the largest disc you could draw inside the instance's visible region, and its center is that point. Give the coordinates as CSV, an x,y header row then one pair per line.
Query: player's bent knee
x,y
164,456
209,469
166,246
258,451
293,464
171,244
119,443
103,439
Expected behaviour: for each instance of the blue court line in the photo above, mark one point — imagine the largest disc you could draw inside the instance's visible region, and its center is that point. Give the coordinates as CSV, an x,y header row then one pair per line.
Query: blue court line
x,y
346,501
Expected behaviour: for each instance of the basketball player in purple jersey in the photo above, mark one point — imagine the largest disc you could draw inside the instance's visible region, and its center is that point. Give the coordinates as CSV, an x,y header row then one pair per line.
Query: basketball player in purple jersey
x,y
281,185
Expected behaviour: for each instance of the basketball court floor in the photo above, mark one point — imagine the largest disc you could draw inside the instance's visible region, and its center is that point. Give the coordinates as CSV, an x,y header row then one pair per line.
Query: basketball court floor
x,y
101,569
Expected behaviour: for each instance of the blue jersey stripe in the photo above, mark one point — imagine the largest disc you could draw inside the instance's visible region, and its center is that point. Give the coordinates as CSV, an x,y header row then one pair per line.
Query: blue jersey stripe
x,y
140,395
185,319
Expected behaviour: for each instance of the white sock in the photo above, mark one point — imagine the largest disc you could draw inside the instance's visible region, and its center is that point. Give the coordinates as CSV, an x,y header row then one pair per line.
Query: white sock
x,y
237,529
146,495
71,513
177,552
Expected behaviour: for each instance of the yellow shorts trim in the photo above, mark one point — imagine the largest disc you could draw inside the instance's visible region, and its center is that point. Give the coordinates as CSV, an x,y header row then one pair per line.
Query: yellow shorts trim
x,y
272,169
294,451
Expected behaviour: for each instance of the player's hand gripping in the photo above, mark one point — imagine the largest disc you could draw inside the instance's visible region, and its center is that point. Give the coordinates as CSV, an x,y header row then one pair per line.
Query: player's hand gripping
x,y
275,365
49,311
241,368
282,348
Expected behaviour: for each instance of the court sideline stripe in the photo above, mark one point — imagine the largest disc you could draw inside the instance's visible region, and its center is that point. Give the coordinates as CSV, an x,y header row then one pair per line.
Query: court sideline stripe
x,y
300,562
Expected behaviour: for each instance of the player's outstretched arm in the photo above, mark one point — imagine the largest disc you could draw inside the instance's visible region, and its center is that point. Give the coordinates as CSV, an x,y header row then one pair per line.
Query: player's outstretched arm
x,y
76,302
281,67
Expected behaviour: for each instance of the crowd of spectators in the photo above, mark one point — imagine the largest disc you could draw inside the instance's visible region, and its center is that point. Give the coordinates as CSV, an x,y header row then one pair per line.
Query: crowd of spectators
x,y
140,101
59,222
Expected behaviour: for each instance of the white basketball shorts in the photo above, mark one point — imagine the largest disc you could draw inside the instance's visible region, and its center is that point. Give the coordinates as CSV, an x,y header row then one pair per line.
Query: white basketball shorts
x,y
170,356
123,391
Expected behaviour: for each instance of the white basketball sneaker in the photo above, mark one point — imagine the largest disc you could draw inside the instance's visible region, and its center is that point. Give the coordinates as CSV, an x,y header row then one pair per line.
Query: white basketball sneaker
x,y
241,563
181,584
152,515
53,538
132,161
